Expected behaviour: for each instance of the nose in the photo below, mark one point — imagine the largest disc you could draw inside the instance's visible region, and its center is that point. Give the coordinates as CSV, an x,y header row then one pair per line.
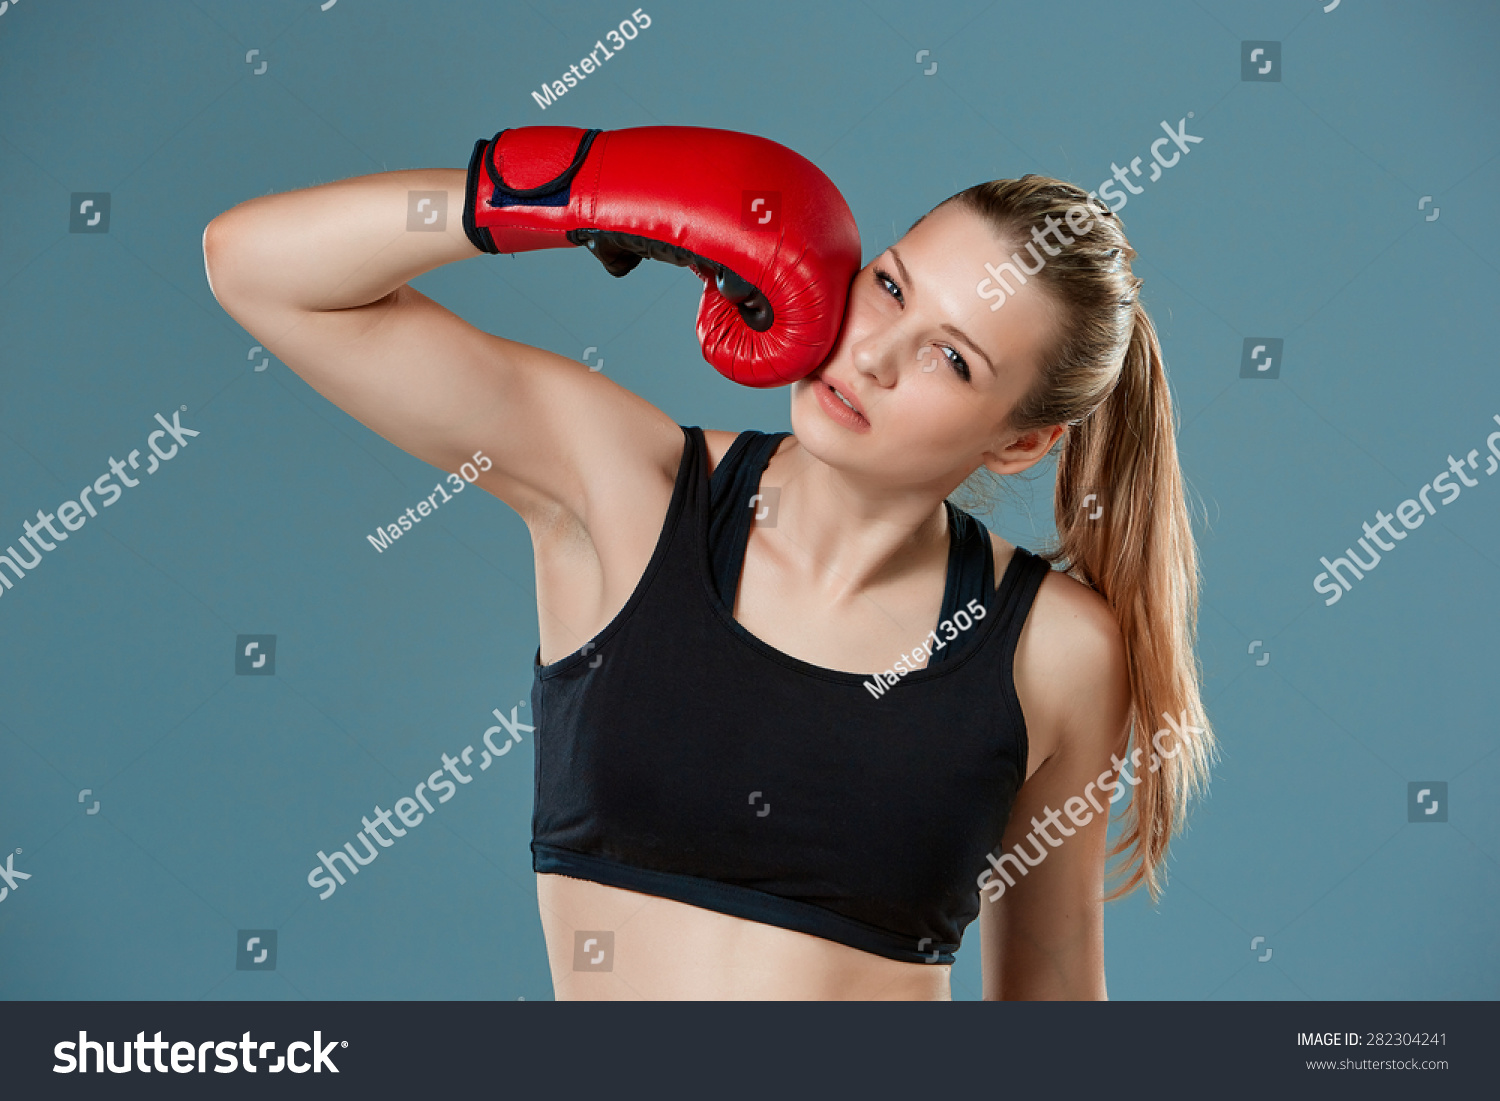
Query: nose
x,y
877,354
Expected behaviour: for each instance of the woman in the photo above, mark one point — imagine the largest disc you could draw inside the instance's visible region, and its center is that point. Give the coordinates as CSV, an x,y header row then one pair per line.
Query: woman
x,y
730,804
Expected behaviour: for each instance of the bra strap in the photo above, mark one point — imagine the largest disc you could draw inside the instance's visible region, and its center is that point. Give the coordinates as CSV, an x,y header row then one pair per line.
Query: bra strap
x,y
971,574
734,482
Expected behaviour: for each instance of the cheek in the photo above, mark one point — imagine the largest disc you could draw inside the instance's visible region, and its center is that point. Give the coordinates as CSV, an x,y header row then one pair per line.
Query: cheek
x,y
861,316
935,409
929,414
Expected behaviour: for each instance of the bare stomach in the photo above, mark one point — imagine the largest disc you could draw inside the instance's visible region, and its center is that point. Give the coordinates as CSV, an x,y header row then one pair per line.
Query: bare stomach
x,y
666,950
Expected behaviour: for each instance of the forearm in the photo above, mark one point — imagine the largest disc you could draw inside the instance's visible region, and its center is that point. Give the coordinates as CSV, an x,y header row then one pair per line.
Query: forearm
x,y
338,245
1043,978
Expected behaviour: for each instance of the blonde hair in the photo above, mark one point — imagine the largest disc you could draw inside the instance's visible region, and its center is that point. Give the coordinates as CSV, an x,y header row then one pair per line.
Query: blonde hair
x,y
1105,380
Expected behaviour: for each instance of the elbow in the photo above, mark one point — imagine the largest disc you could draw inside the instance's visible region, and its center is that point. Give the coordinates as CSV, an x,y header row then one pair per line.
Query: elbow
x,y
213,247
208,268
218,253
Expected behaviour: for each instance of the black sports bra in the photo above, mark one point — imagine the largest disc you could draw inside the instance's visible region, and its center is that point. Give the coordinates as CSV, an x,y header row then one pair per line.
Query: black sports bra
x,y
679,755
736,505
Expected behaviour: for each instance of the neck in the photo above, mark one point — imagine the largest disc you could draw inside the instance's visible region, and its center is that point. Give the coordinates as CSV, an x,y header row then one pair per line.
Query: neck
x,y
853,535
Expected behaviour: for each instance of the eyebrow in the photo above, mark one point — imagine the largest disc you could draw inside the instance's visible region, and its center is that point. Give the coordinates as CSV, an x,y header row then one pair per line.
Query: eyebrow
x,y
949,328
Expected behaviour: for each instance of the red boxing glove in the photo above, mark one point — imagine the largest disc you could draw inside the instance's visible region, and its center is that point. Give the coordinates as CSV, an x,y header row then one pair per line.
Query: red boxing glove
x,y
767,232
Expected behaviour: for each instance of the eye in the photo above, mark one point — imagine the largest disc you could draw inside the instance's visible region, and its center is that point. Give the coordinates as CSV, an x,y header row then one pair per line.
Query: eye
x,y
886,283
960,365
889,285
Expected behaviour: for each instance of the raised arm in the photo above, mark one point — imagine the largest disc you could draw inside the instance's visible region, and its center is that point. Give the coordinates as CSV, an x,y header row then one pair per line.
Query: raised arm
x,y
320,276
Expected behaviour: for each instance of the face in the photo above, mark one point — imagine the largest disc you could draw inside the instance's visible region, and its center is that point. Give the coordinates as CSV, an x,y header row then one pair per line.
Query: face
x,y
931,370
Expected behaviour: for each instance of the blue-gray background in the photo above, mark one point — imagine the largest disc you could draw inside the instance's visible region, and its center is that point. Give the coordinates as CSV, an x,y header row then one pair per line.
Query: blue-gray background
x,y
1299,216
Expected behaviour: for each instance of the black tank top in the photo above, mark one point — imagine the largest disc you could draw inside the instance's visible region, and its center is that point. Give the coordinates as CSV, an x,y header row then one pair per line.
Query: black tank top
x,y
680,756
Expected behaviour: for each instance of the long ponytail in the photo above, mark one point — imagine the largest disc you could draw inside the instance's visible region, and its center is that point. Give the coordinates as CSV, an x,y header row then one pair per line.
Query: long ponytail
x,y
1122,523
1123,529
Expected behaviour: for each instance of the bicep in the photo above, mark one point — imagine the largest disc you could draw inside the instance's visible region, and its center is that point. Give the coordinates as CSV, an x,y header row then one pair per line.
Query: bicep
x,y
555,434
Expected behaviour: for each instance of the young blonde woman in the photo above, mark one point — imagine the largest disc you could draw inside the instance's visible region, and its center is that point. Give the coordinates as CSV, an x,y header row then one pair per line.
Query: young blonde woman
x,y
730,802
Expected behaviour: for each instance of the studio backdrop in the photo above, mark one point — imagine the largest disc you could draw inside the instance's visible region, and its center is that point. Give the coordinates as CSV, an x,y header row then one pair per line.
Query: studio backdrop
x,y
227,655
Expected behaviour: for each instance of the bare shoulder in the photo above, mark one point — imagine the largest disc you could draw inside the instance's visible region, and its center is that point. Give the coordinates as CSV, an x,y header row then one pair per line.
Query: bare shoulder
x,y
1071,668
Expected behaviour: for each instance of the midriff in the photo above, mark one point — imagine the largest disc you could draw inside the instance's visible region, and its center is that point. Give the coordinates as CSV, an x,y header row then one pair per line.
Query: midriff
x,y
669,950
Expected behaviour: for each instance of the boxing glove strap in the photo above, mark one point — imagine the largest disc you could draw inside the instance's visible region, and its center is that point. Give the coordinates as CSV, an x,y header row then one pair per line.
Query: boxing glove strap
x,y
558,183
621,252
553,192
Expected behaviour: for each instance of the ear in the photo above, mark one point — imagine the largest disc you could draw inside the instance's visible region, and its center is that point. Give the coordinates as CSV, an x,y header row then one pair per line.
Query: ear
x,y
1023,451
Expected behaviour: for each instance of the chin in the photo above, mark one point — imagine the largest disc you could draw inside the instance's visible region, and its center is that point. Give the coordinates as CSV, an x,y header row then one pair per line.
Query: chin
x,y
811,425
878,455
830,443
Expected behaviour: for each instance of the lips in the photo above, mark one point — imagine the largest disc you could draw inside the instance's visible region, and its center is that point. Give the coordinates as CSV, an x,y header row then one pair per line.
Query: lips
x,y
846,394
845,413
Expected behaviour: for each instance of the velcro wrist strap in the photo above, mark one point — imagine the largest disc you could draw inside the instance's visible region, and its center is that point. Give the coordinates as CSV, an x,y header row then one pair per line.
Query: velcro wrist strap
x,y
545,193
488,157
